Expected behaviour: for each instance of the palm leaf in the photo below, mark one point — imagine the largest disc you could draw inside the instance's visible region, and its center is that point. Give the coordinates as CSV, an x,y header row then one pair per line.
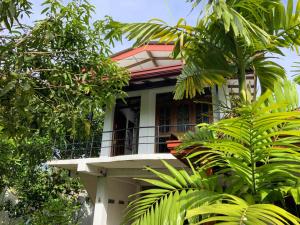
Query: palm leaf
x,y
167,201
235,210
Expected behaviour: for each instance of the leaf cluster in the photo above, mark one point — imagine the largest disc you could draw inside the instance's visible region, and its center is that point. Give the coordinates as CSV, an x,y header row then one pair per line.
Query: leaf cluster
x,y
45,195
11,11
57,74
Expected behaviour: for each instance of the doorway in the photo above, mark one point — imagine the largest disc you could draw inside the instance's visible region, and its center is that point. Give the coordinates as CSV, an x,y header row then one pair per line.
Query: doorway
x,y
126,126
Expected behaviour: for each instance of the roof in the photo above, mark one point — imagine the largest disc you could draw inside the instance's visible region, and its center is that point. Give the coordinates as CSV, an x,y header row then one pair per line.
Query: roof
x,y
148,59
152,64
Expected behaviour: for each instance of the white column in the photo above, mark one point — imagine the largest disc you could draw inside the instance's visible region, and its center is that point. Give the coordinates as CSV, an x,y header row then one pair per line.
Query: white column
x,y
147,118
101,203
219,99
215,103
224,97
107,134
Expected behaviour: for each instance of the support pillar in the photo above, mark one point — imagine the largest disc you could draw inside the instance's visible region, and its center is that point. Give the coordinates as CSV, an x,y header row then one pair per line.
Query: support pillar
x,y
101,203
215,103
147,118
107,135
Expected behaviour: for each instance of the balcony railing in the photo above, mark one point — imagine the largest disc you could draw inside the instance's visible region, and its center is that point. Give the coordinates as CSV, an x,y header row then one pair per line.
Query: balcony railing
x,y
121,142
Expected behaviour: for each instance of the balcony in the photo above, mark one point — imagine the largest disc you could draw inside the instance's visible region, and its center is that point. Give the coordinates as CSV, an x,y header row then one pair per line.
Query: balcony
x,y
135,140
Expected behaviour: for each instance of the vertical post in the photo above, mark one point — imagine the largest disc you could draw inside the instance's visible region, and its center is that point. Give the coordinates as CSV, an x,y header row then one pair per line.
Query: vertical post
x,y
101,202
215,103
147,120
107,135
91,146
73,148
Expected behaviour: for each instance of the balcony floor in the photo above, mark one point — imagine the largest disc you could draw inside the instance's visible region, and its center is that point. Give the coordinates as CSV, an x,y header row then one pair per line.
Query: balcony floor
x,y
137,161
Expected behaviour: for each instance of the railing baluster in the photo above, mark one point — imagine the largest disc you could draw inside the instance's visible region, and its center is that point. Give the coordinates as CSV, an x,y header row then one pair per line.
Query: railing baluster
x,y
72,151
76,147
91,145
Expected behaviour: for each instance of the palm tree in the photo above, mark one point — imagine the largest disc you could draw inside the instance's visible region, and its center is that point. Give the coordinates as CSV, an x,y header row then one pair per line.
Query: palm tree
x,y
233,38
256,164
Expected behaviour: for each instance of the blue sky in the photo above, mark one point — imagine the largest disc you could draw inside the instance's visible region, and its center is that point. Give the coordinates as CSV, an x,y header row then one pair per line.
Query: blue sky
x,y
143,10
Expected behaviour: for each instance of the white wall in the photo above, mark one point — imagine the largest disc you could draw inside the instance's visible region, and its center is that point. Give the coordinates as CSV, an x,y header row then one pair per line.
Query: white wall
x,y
219,98
107,132
112,199
119,190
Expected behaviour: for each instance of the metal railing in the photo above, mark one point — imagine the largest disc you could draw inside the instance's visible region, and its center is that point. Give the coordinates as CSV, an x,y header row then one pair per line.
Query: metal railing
x,y
121,142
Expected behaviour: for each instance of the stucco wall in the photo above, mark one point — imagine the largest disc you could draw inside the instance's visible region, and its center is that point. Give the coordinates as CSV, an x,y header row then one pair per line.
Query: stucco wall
x,y
118,192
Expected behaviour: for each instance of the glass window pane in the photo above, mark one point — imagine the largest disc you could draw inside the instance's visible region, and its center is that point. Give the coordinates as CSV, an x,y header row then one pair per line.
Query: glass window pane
x,y
182,117
164,119
202,111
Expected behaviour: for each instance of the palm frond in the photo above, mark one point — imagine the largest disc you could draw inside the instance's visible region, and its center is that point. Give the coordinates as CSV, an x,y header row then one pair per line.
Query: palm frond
x,y
233,20
193,80
268,72
285,23
254,156
167,201
236,211
158,30
296,72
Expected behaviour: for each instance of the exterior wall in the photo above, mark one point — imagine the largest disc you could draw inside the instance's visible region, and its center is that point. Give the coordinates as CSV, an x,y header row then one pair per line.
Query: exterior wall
x,y
112,199
119,190
147,117
219,98
223,96
107,134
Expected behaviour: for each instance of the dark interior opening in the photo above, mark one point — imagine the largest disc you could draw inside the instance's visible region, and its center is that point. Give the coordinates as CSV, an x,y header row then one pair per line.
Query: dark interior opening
x,y
126,123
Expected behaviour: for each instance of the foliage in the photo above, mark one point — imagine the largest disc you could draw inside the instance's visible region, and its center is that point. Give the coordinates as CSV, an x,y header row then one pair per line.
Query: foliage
x,y
56,76
38,189
57,211
21,157
11,11
231,39
56,79
255,162
45,197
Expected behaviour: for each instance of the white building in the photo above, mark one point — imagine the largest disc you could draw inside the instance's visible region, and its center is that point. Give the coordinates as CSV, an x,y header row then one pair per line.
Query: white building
x,y
136,131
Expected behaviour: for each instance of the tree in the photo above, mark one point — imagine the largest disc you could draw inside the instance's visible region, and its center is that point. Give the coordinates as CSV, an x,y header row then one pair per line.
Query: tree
x,y
11,11
45,197
20,159
255,162
56,74
232,38
56,79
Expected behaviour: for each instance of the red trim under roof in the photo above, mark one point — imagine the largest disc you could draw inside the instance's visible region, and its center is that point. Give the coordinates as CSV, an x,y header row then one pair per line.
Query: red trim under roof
x,y
131,52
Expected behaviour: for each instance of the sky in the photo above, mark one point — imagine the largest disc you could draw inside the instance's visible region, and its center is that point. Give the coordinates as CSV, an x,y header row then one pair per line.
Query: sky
x,y
143,10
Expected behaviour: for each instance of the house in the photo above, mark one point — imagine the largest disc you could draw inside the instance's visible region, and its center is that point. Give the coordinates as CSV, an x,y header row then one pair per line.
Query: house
x,y
136,131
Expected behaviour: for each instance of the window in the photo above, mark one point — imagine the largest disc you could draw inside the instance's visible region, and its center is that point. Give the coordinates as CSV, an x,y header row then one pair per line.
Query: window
x,y
202,113
173,118
164,119
183,117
